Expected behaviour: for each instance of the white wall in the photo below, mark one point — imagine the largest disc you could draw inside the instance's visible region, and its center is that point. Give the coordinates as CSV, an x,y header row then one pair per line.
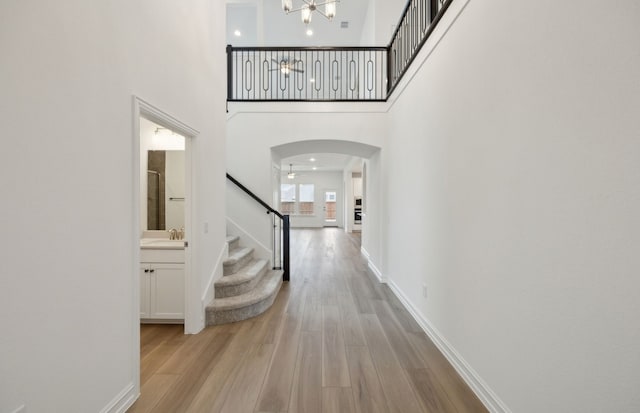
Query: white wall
x,y
523,134
354,165
367,37
380,21
254,129
373,217
322,181
68,71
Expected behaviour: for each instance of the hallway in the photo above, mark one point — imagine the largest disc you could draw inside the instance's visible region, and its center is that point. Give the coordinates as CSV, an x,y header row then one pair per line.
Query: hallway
x,y
335,340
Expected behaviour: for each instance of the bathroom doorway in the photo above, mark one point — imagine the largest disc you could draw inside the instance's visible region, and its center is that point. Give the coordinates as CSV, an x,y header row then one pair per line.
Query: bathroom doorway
x,y
158,126
163,199
163,236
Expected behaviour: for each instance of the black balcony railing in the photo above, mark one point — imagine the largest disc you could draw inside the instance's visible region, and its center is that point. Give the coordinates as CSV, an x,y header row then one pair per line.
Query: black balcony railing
x,y
306,74
418,20
333,74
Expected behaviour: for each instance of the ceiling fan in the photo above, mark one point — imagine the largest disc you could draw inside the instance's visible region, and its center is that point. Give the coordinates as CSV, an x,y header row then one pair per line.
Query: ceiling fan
x,y
286,66
291,174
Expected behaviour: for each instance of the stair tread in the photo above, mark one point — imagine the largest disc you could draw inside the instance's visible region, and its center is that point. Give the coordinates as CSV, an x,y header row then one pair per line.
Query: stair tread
x,y
267,285
237,254
232,238
246,273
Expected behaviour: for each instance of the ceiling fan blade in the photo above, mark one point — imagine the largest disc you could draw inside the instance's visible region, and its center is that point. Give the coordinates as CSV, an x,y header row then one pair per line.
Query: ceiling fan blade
x,y
275,61
297,70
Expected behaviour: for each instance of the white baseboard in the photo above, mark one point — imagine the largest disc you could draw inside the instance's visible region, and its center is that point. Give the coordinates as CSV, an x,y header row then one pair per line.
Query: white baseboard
x,y
260,250
376,271
122,401
216,274
488,397
381,278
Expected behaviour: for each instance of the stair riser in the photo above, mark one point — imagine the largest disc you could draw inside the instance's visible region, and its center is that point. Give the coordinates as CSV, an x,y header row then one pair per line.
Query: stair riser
x,y
233,268
233,290
243,313
234,244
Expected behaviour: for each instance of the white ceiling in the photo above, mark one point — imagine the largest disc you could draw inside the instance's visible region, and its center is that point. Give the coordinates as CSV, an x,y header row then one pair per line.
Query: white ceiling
x,y
324,162
263,23
328,155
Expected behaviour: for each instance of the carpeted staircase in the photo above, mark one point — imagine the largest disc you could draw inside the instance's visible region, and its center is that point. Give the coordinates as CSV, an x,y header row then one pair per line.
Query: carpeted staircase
x,y
248,286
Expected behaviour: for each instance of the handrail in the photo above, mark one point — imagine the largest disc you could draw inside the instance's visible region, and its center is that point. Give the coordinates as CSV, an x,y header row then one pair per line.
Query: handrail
x,y
285,236
296,48
255,197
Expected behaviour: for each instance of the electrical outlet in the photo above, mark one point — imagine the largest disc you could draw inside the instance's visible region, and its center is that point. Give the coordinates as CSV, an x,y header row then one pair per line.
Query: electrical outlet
x,y
424,290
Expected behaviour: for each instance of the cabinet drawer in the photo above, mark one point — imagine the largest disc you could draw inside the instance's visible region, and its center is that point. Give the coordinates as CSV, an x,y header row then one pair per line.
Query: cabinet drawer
x,y
153,255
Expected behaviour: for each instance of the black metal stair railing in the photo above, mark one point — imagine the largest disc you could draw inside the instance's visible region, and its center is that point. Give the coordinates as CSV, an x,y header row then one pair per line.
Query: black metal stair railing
x,y
281,233
332,74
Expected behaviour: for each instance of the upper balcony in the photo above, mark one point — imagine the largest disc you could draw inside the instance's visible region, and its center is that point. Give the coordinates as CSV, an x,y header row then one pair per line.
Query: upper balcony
x,y
332,74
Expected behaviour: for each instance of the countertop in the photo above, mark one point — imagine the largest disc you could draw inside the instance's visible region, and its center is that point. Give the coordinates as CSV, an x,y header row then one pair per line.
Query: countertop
x,y
162,244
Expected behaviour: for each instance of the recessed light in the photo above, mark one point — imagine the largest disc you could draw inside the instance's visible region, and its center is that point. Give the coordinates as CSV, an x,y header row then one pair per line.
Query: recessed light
x,y
238,33
309,32
314,168
312,80
312,159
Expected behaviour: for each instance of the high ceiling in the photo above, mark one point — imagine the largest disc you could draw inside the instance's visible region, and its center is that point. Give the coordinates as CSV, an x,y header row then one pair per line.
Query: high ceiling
x,y
263,23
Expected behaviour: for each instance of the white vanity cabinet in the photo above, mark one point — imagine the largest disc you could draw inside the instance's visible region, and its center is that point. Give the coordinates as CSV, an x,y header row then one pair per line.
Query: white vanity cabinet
x,y
161,285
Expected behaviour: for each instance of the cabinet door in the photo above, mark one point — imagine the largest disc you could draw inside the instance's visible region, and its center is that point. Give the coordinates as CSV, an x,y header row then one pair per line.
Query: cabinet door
x,y
144,292
167,295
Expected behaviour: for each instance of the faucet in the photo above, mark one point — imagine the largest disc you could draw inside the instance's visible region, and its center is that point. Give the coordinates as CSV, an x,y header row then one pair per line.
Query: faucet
x,y
173,233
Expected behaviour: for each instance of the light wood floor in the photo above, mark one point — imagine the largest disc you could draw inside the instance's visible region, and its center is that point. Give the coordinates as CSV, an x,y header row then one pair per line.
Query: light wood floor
x,y
335,340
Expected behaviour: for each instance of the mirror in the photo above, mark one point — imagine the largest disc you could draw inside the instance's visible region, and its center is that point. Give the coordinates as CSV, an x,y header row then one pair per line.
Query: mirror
x,y
162,178
165,190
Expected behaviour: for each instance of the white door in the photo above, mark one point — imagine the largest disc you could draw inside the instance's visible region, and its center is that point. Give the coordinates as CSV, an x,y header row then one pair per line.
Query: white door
x,y
330,208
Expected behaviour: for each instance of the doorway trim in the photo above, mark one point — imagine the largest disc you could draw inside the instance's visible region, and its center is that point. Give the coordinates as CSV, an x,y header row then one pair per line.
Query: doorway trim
x,y
192,315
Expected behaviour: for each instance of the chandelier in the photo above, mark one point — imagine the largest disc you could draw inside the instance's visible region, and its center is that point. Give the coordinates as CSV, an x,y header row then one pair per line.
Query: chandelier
x,y
310,6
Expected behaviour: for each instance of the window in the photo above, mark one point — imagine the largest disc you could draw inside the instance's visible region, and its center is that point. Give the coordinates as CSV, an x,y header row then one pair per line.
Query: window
x,y
287,199
306,194
306,199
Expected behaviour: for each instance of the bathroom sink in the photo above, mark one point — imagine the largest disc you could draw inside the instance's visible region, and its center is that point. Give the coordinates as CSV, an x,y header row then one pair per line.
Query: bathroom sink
x,y
161,243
